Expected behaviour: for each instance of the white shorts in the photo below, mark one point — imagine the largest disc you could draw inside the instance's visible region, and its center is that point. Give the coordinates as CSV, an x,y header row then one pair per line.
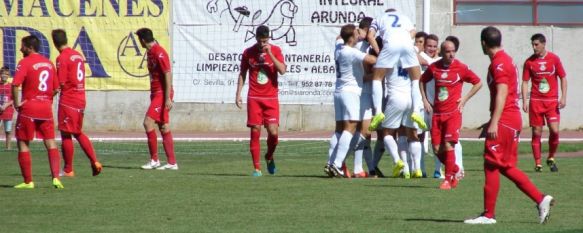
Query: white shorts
x,y
346,106
391,55
398,112
366,106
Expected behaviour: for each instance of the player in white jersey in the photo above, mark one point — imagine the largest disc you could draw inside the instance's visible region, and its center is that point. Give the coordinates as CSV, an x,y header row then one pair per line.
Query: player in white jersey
x,y
397,32
428,56
362,138
349,79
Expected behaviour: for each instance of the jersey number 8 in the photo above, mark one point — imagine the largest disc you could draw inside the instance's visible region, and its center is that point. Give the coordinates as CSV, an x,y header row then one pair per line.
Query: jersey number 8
x,y
42,78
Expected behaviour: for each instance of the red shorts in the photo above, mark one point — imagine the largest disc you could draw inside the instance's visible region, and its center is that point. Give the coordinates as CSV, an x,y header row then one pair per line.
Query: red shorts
x,y
26,128
446,128
262,111
157,111
70,120
539,110
503,151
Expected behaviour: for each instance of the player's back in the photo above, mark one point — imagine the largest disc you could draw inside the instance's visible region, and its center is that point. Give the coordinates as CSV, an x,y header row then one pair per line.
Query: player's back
x,y
71,74
503,70
158,65
348,68
36,74
398,82
395,28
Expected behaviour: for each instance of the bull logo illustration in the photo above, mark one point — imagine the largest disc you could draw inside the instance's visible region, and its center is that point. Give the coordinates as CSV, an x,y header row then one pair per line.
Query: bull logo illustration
x,y
278,16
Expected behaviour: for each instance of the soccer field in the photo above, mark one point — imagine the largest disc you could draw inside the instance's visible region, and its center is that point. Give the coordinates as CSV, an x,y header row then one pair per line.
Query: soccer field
x,y
214,192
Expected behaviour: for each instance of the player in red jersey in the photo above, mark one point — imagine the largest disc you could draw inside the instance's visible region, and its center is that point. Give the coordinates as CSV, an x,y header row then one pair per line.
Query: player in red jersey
x,y
449,75
502,132
161,97
263,61
6,109
544,69
36,75
71,76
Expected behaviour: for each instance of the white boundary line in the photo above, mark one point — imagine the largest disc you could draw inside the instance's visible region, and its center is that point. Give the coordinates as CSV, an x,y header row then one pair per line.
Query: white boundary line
x,y
205,139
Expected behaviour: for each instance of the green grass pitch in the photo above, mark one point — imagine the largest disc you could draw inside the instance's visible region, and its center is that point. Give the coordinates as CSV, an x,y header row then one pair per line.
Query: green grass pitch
x,y
214,192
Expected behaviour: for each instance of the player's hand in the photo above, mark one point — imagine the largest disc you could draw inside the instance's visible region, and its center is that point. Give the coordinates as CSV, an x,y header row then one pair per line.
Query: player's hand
x,y
239,102
563,102
168,104
460,104
427,106
492,131
525,106
266,48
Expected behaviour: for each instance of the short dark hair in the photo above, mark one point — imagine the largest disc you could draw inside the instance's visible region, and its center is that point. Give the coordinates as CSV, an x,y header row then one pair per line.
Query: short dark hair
x,y
540,37
432,37
365,22
262,31
491,36
421,34
145,34
347,31
4,68
31,41
454,40
59,37
379,43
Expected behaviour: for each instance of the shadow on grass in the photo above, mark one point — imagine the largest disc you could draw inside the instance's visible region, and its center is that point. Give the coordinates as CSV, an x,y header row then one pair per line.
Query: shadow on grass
x,y
437,220
5,186
122,167
264,175
402,186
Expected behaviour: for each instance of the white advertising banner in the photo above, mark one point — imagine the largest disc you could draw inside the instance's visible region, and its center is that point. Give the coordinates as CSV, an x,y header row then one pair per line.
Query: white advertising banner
x,y
209,36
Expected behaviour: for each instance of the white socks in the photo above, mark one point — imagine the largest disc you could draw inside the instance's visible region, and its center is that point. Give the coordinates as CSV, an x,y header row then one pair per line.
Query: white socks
x,y
458,156
377,96
332,150
416,151
343,147
391,146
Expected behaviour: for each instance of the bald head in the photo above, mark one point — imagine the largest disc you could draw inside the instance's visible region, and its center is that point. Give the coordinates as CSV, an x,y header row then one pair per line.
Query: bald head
x,y
447,51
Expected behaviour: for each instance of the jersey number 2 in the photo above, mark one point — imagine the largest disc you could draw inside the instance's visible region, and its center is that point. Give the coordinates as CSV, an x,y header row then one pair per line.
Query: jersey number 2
x,y
395,23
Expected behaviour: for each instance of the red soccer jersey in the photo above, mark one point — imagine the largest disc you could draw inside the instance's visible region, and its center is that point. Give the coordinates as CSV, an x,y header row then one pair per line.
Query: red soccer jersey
x,y
448,83
502,70
71,73
36,74
262,71
6,96
544,72
158,65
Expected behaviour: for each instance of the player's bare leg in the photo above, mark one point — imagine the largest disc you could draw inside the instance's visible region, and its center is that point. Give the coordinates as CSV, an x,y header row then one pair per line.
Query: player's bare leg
x,y
8,140
150,127
272,141
536,147
553,145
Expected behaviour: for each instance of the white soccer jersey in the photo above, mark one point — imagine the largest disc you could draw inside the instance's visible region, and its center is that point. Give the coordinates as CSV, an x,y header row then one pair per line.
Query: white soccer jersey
x,y
429,86
398,83
364,47
349,69
394,28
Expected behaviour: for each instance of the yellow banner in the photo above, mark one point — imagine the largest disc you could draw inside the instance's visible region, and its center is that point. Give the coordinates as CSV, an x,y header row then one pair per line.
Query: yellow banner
x,y
101,30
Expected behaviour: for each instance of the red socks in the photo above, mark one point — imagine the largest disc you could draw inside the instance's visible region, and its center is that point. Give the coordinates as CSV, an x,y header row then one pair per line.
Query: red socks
x,y
450,167
68,152
272,141
255,148
492,186
536,148
25,166
553,144
87,147
168,143
54,162
152,144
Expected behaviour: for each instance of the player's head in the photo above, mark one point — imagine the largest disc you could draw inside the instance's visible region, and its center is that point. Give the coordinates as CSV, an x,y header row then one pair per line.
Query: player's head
x,y
262,35
364,26
491,37
4,73
379,43
348,33
431,42
455,41
30,44
538,42
420,40
59,38
447,51
146,36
